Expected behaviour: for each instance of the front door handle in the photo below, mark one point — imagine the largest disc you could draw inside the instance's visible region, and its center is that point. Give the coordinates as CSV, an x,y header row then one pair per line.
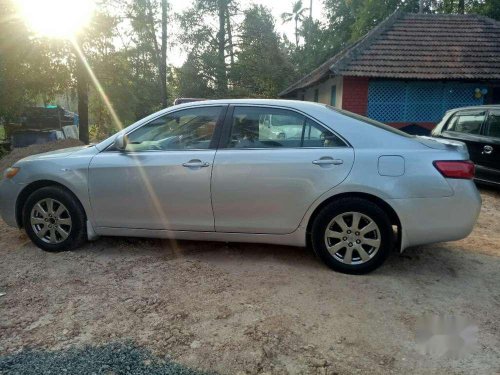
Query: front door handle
x,y
195,163
328,161
487,149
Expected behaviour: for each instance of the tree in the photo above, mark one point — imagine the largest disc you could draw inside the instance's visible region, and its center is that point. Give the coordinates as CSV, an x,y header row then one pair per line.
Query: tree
x,y
32,70
188,81
200,23
83,95
318,46
489,8
150,18
262,69
297,16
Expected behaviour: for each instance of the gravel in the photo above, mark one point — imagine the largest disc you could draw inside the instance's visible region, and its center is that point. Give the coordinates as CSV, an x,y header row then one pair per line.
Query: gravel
x,y
109,359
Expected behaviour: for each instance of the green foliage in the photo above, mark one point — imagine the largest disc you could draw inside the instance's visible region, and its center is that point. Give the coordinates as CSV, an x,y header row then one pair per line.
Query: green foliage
x,y
253,74
232,52
30,69
489,8
297,16
207,35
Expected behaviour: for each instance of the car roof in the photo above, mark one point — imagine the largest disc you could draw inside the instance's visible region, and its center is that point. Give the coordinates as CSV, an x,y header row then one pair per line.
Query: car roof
x,y
485,106
297,104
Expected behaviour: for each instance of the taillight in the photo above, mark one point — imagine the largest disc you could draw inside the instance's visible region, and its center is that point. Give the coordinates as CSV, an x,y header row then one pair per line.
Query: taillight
x,y
463,169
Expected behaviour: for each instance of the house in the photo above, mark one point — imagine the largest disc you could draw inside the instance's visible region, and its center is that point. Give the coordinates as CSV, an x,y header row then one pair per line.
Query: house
x,y
410,69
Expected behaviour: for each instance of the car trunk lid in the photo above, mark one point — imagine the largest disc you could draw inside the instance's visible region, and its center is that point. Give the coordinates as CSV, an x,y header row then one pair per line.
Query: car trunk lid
x,y
444,144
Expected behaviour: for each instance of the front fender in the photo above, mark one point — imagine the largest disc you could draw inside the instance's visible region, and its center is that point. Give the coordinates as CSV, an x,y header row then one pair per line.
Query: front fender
x,y
70,172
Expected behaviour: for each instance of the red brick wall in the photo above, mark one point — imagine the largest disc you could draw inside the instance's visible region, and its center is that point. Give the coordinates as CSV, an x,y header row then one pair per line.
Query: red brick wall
x,y
355,94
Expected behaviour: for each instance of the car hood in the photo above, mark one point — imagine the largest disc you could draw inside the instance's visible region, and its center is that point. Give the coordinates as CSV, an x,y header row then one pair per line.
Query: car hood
x,y
62,153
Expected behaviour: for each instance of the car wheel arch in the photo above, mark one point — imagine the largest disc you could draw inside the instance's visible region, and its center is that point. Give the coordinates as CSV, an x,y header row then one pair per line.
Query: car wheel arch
x,y
393,216
34,186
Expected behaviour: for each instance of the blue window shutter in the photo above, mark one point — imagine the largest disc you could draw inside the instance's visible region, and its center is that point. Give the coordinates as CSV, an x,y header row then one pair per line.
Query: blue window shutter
x,y
418,101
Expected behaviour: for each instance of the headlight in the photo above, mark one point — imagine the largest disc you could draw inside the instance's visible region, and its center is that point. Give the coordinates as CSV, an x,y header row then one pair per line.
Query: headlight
x,y
11,172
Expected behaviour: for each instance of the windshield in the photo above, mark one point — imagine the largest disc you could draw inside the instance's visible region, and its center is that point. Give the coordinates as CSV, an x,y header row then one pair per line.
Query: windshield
x,y
371,122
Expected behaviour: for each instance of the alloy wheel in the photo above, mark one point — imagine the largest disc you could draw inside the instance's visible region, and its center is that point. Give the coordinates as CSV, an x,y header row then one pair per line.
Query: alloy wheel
x,y
352,238
51,221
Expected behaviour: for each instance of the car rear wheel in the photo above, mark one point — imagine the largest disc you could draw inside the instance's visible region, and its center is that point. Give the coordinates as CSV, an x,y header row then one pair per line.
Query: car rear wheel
x,y
352,235
54,219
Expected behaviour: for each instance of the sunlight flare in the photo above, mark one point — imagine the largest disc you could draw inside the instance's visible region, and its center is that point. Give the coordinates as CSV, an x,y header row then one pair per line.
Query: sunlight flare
x,y
56,18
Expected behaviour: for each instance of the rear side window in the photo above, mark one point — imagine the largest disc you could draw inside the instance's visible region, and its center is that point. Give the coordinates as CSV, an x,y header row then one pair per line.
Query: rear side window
x,y
370,121
466,122
493,125
260,127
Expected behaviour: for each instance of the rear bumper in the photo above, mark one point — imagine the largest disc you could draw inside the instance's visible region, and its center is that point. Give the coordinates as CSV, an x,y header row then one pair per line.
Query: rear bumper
x,y
9,192
430,220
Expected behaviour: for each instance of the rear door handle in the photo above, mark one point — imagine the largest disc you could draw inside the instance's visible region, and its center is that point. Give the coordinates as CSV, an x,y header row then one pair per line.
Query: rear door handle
x,y
195,164
487,149
328,162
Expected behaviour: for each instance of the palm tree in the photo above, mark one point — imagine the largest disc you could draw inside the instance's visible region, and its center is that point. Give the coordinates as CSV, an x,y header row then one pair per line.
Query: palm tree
x,y
297,15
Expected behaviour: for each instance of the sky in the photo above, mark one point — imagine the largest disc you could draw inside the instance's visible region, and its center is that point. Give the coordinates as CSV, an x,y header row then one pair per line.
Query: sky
x,y
176,56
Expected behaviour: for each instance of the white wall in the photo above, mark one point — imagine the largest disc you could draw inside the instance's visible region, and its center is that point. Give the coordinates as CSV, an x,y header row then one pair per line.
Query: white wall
x,y
324,93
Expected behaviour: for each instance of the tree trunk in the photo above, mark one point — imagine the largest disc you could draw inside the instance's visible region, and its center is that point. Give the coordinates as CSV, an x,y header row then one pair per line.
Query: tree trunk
x,y
163,62
296,32
82,90
229,36
461,6
221,38
158,53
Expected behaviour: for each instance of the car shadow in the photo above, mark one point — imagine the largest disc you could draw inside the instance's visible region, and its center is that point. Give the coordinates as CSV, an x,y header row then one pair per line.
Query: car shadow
x,y
202,250
437,259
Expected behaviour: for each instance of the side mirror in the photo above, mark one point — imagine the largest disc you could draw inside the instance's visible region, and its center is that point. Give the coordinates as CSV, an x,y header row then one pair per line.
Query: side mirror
x,y
121,142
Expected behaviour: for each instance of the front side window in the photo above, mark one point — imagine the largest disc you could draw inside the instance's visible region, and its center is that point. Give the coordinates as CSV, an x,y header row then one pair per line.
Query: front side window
x,y
493,128
254,127
181,130
466,122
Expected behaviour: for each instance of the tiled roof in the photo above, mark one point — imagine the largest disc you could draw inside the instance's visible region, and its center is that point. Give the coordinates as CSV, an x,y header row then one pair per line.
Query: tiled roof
x,y
418,46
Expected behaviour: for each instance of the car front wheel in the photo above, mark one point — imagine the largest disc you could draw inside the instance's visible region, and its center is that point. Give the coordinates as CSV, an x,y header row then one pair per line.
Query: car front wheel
x,y
352,235
54,219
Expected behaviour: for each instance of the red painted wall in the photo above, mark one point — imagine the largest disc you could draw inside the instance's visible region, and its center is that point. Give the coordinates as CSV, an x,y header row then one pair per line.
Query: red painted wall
x,y
355,94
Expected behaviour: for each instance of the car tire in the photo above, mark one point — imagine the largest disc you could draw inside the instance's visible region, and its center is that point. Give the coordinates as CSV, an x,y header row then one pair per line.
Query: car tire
x,y
352,235
54,219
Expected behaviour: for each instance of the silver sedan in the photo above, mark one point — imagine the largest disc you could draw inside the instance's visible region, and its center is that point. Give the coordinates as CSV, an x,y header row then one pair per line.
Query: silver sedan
x,y
269,171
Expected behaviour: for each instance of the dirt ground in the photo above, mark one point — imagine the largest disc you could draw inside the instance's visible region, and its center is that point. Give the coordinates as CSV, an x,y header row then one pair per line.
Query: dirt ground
x,y
242,308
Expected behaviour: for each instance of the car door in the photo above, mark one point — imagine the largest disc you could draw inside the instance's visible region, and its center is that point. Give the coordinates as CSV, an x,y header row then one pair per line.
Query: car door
x,y
488,168
466,126
162,179
265,184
